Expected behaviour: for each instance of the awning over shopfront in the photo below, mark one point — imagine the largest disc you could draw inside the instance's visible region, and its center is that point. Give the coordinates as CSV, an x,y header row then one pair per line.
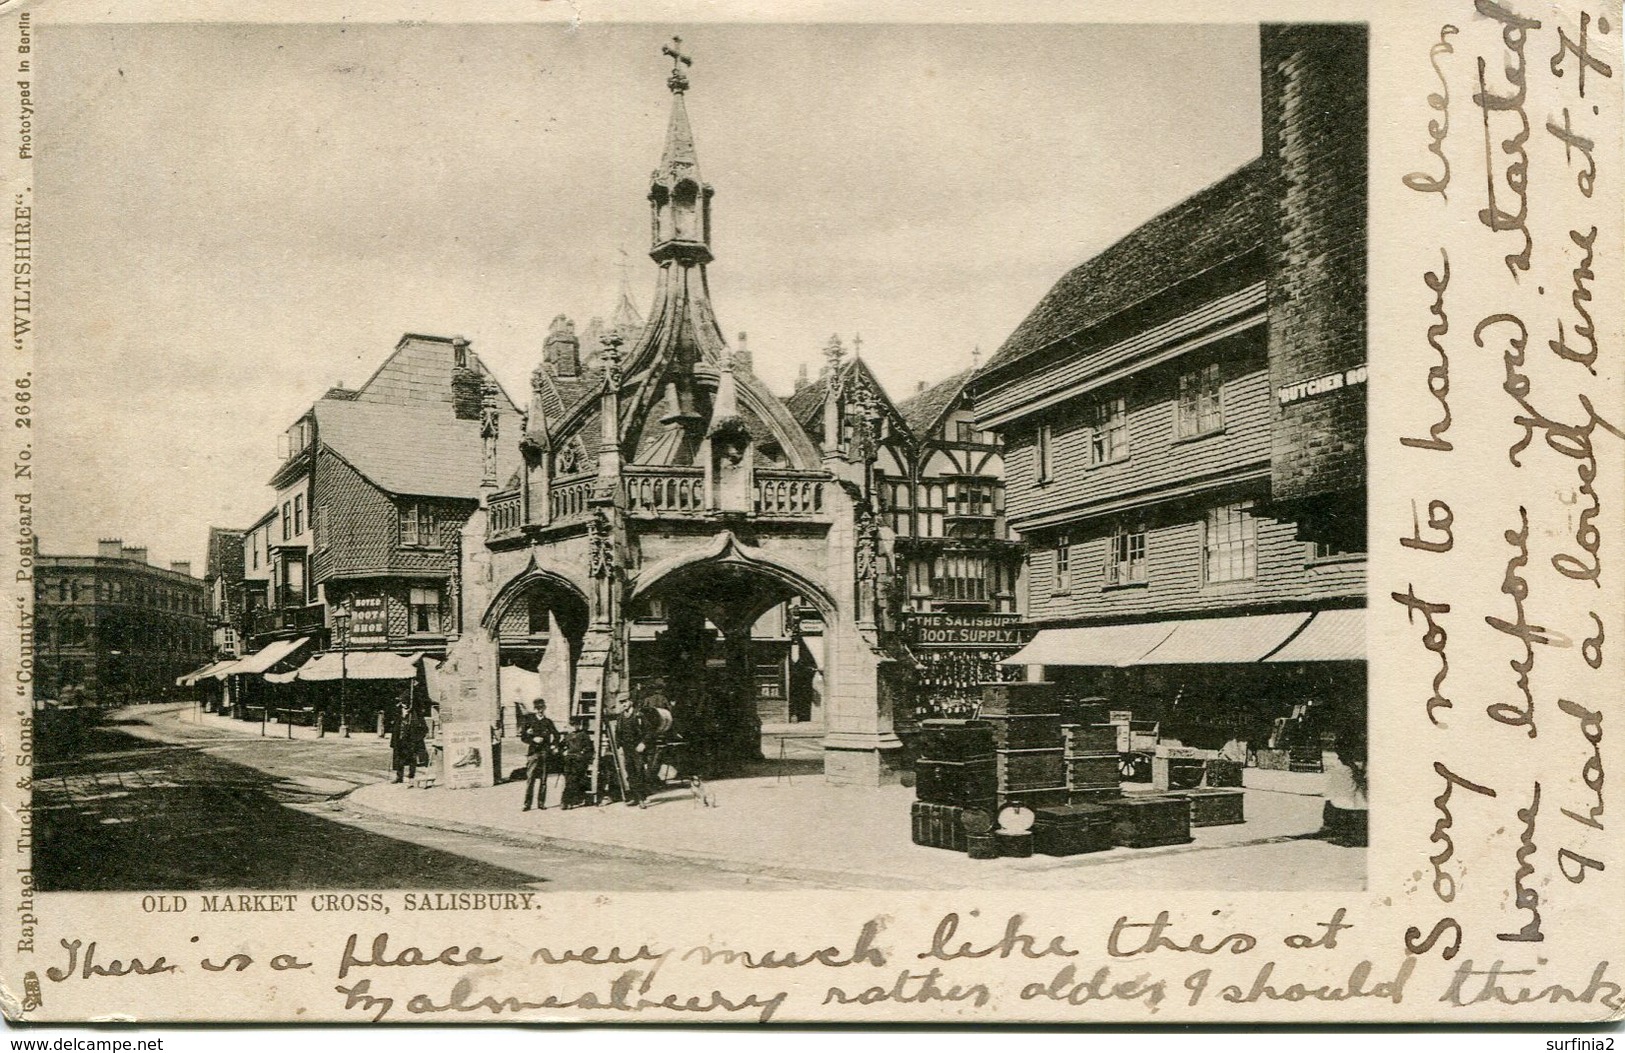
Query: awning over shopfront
x,y
1098,645
1213,641
1331,636
263,659
360,665
198,674
282,678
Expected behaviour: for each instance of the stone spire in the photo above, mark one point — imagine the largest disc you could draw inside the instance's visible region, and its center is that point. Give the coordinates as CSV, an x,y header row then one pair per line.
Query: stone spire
x,y
681,200
676,356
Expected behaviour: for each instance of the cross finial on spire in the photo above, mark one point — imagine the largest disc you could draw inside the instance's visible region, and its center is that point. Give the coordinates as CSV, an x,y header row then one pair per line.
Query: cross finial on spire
x,y
678,81
857,345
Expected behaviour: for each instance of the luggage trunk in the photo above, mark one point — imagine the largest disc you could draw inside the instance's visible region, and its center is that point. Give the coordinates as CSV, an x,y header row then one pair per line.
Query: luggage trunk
x,y
1092,773
1150,821
1042,797
1072,829
1214,806
1035,731
963,784
954,740
1019,698
939,826
1030,769
1090,740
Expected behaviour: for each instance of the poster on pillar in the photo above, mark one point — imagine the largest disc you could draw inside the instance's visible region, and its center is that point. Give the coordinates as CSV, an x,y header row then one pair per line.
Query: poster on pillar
x,y
1095,515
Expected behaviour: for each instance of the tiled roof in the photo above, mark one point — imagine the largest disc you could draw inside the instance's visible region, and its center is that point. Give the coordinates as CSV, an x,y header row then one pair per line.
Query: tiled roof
x,y
806,404
1208,228
420,449
923,411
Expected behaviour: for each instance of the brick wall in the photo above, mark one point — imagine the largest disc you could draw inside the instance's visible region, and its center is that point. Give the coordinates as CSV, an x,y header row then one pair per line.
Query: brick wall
x,y
1315,138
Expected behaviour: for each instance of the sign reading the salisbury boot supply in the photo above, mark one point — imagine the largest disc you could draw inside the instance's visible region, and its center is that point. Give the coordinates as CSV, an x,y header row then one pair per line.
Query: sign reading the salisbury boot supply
x,y
964,630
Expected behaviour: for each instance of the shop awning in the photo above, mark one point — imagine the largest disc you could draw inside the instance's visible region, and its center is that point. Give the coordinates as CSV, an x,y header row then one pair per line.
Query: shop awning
x,y
361,665
1099,645
1330,636
264,658
1213,641
198,674
282,678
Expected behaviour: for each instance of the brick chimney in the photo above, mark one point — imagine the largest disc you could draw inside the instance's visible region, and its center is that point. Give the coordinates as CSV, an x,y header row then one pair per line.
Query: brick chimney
x,y
110,548
466,385
135,553
562,349
181,566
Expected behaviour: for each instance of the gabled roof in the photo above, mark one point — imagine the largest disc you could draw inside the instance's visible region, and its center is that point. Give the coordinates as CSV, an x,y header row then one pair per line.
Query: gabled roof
x,y
925,411
806,404
419,450
1212,226
419,371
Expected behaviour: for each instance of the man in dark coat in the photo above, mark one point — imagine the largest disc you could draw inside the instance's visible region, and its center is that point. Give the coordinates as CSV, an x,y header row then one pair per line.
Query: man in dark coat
x,y
578,748
541,738
639,734
407,742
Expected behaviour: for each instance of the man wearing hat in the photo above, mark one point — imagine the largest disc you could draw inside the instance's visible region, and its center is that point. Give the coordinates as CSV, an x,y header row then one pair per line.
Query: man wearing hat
x,y
541,737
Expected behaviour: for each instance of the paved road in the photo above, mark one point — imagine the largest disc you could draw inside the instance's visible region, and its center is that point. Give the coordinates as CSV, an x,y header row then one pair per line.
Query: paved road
x,y
148,800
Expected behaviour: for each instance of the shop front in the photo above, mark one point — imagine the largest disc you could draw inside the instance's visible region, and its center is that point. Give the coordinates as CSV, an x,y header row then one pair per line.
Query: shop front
x,y
1276,690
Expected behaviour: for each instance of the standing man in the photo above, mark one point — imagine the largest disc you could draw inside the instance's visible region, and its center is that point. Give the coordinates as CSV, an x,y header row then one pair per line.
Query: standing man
x,y
541,738
639,735
411,731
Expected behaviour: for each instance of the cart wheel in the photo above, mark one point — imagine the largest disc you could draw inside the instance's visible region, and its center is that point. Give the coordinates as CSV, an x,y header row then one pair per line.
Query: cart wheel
x,y
1125,766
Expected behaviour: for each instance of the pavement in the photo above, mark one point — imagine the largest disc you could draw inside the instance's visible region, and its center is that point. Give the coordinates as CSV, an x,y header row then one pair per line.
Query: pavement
x,y
786,821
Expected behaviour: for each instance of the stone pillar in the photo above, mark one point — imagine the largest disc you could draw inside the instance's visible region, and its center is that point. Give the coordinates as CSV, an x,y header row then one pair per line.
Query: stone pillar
x,y
467,681
860,747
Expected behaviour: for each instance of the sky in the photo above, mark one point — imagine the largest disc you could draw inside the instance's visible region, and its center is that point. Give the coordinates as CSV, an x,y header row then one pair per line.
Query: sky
x,y
231,219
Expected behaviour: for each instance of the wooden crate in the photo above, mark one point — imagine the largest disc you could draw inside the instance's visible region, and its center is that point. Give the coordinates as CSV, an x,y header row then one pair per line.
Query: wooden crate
x,y
1092,773
1030,769
1223,773
954,740
1151,820
1090,740
963,784
1072,829
1214,806
938,826
1032,731
1019,698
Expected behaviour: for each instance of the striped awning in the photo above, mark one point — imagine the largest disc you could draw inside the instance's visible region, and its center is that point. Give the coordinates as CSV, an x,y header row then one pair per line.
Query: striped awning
x,y
1097,645
1331,636
198,674
1214,641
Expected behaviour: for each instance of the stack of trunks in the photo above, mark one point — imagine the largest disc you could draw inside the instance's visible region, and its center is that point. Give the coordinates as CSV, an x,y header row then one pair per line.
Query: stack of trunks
x,y
955,785
1029,757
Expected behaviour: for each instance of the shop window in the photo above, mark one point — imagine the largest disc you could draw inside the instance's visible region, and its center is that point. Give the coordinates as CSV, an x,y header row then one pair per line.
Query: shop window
x,y
418,526
1045,453
1230,547
424,615
1125,560
1108,436
960,578
1063,562
1200,410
